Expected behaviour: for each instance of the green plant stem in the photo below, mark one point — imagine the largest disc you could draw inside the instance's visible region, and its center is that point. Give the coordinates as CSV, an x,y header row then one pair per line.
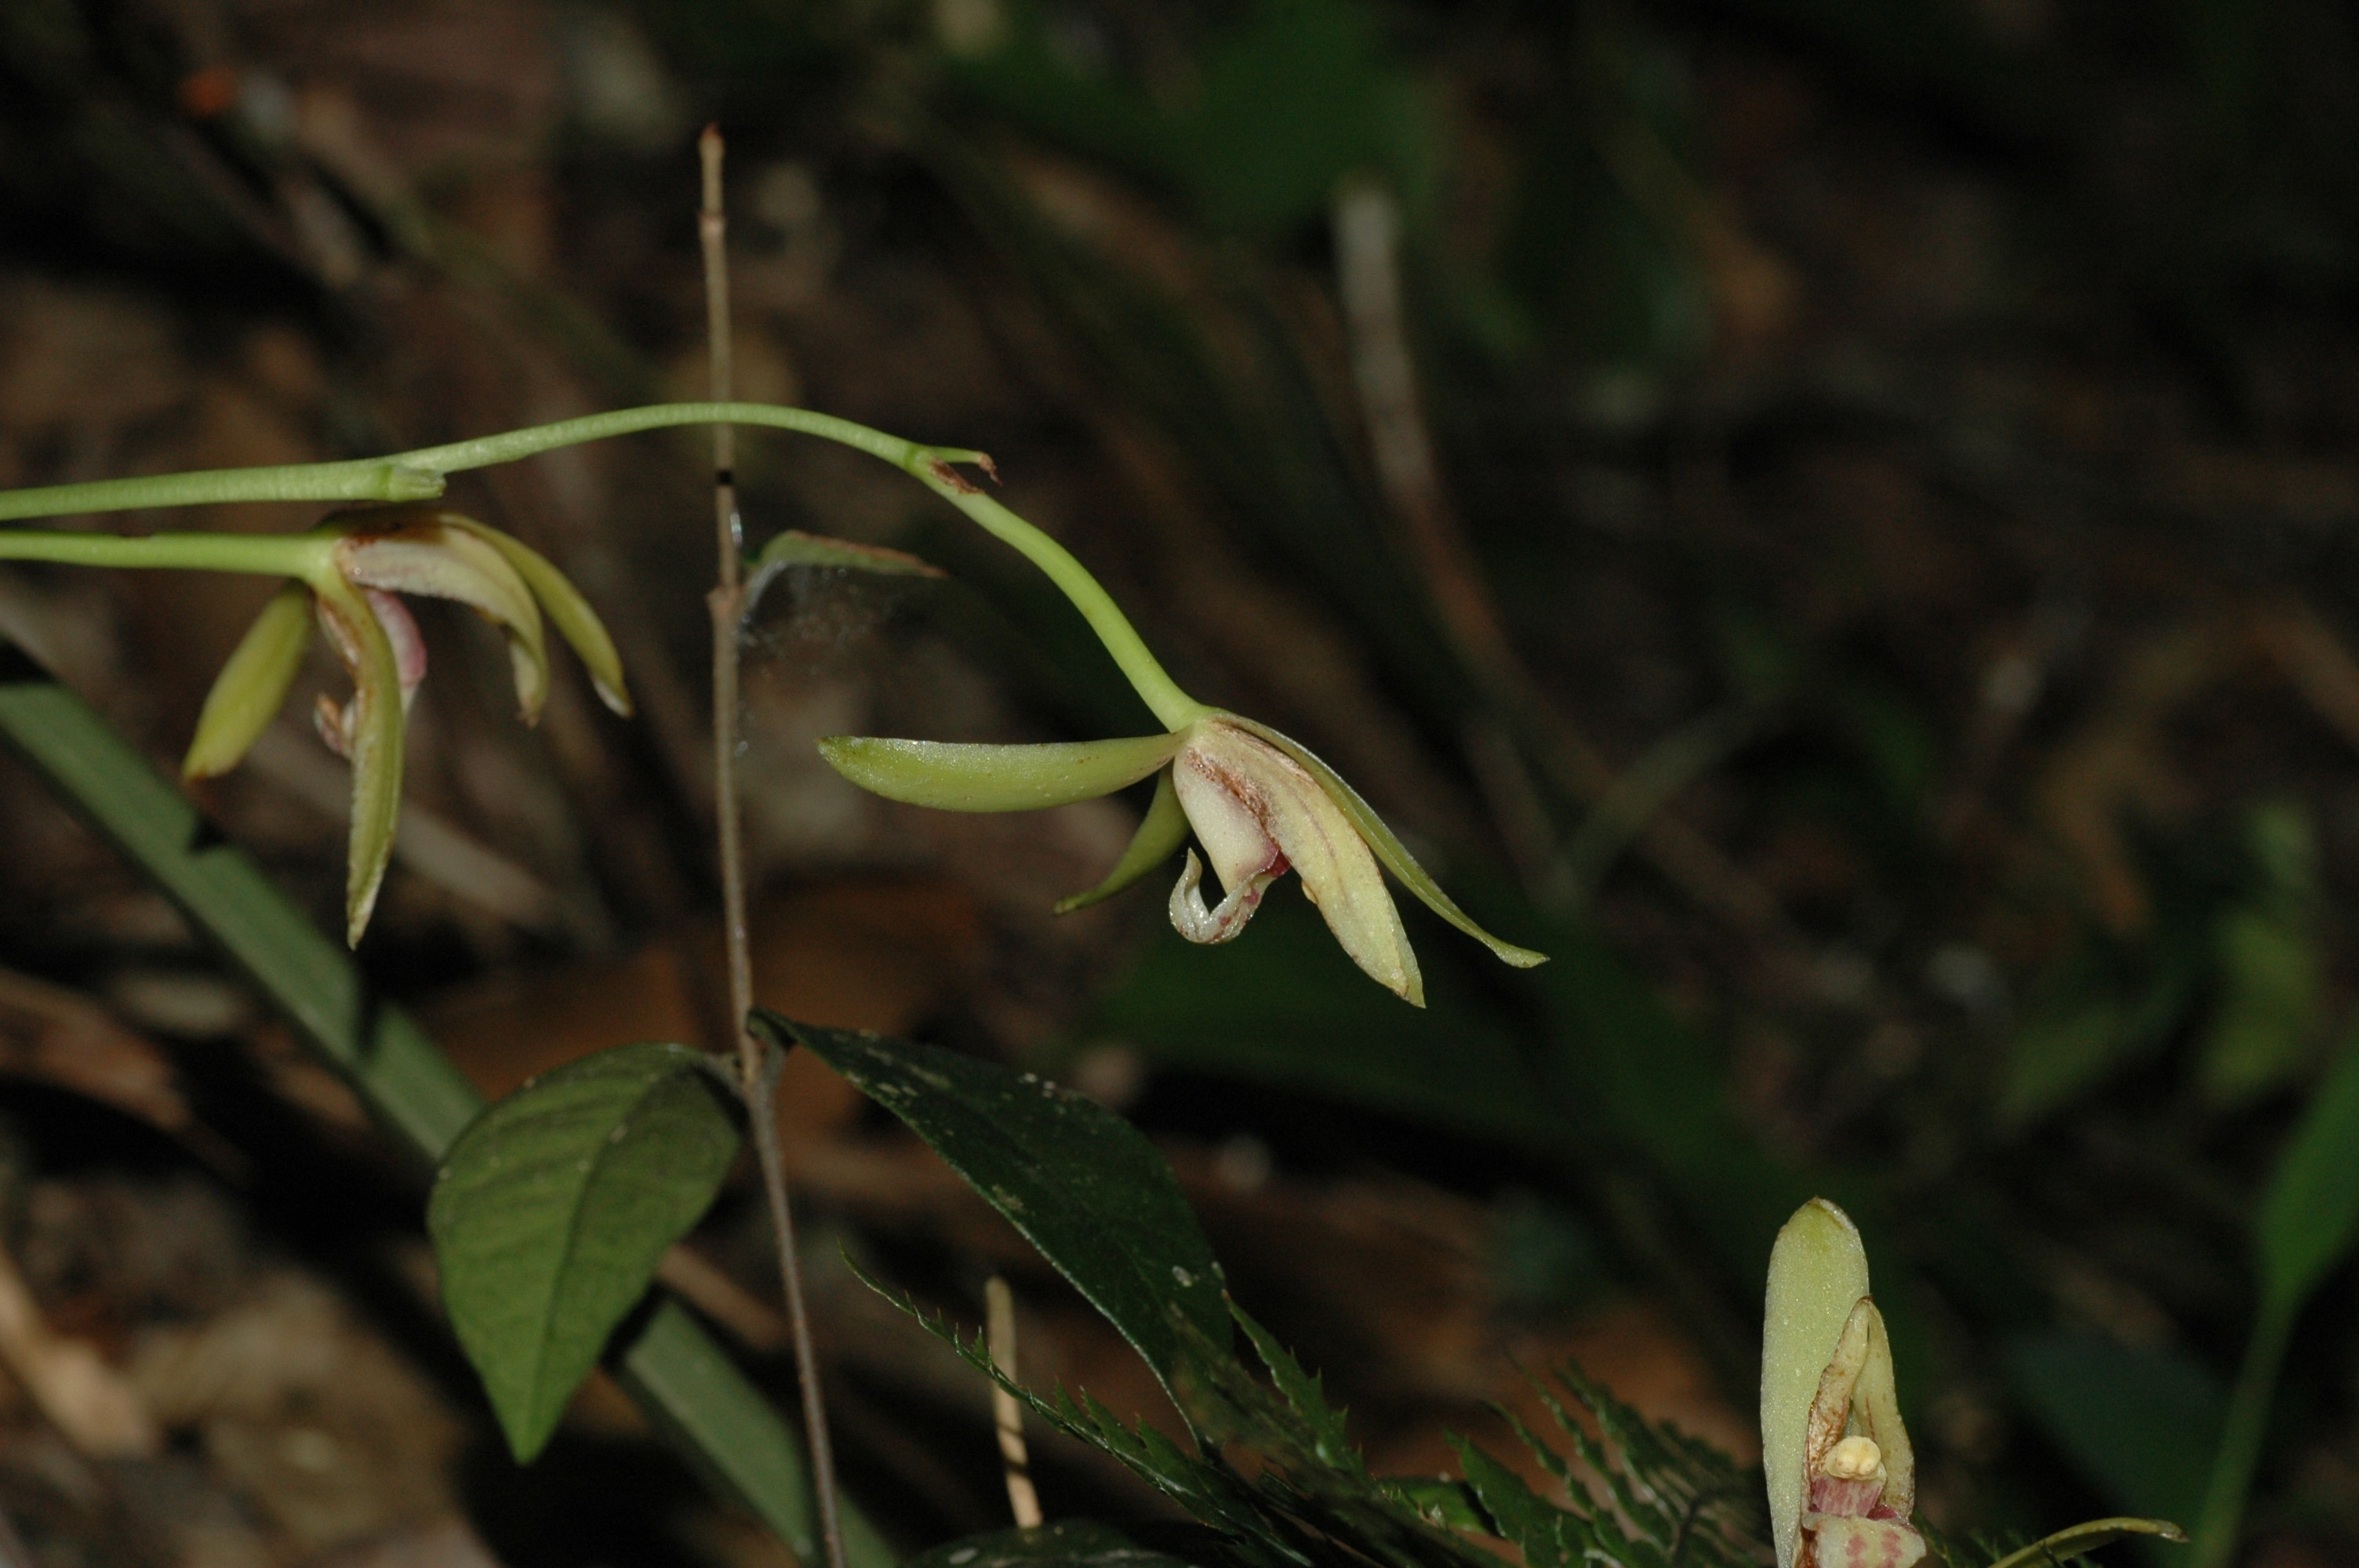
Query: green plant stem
x,y
418,476
1162,694
304,556
370,478
2240,1440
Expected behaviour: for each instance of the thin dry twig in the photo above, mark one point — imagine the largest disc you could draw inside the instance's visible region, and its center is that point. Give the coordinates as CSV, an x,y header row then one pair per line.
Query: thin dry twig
x,y
999,1318
1367,248
755,1080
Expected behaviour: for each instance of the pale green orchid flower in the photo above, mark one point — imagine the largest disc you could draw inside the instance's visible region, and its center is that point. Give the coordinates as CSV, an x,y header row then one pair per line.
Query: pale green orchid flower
x,y
1841,1471
352,581
1259,801
1842,1474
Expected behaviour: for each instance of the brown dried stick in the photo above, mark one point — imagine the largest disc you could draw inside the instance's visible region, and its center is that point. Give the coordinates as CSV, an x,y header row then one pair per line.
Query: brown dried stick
x,y
1006,1414
759,1085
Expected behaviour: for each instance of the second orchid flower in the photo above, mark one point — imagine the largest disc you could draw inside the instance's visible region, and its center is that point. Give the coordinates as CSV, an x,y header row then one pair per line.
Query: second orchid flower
x,y
352,584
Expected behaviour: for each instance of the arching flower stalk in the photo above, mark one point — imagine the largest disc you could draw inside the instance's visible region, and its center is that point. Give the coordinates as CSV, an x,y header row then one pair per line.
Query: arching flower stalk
x,y
1258,802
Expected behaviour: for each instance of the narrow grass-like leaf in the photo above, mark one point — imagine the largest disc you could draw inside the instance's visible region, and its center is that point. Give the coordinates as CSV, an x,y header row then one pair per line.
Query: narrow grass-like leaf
x,y
1080,1183
793,548
553,1209
681,1379
2310,1216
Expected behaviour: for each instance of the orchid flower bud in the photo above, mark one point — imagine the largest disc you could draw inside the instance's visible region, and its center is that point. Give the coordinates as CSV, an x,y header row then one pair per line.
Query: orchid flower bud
x,y
1842,1474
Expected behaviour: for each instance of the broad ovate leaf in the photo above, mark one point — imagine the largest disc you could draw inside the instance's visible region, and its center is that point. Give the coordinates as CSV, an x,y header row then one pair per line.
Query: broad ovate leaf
x,y
953,776
251,686
1818,1276
553,1208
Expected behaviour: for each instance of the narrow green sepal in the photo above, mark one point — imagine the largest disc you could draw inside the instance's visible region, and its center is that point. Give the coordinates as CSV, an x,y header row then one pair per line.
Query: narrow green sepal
x,y
566,610
2085,1537
950,776
1389,848
1159,835
251,686
374,741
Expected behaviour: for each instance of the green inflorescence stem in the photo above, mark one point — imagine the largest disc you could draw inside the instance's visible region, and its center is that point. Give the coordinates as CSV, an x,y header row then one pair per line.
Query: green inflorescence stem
x,y
304,556
418,476
2217,1531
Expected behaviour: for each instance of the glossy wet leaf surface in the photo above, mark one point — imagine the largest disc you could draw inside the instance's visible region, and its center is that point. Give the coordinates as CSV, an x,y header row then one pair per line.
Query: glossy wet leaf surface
x,y
1081,1184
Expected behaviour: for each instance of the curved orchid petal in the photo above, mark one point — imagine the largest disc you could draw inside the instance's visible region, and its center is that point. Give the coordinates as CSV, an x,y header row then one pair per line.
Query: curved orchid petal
x,y
442,561
950,776
1257,811
373,733
1160,833
1387,847
251,686
566,609
1876,1404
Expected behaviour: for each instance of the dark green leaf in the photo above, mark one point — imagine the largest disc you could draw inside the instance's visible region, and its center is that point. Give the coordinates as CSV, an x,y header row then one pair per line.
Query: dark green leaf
x,y
1306,1397
1520,1514
2141,1425
554,1208
1081,1543
1079,1182
2310,1214
1439,1500
1286,1007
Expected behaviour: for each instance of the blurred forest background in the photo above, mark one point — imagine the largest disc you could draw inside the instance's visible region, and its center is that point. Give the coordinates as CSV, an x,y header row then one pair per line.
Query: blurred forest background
x,y
1833,519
